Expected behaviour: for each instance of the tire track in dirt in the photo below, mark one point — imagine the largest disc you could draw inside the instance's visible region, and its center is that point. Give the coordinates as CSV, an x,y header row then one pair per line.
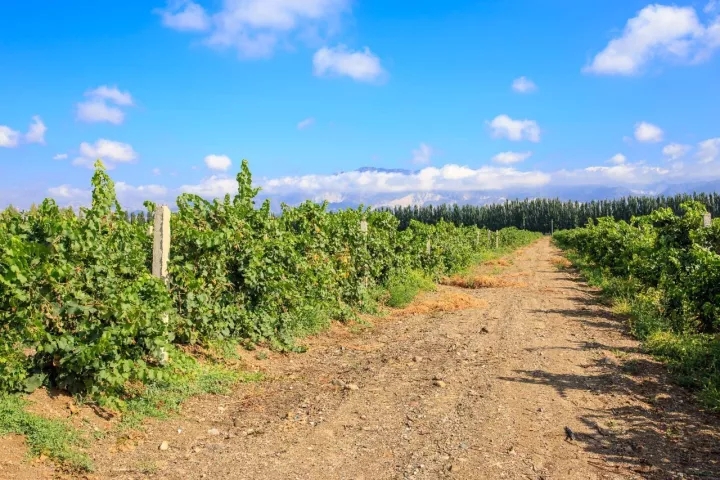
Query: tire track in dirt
x,y
477,393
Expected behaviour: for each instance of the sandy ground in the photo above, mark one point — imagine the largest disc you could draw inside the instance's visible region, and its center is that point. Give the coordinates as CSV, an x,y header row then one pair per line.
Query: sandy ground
x,y
482,392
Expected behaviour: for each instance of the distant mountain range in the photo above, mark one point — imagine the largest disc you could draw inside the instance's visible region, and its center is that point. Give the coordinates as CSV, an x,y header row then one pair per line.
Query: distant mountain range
x,y
484,197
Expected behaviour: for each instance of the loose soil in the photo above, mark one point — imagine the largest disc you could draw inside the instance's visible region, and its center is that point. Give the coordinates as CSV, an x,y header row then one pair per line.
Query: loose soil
x,y
482,389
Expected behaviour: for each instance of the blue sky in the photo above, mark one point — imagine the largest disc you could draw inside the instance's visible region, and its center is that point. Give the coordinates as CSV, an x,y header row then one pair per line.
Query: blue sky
x,y
476,95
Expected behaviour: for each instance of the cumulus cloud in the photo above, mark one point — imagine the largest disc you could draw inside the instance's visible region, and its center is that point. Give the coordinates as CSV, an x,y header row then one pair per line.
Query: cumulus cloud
x,y
255,28
98,108
657,32
362,65
424,184
505,127
307,123
511,157
618,159
218,162
423,154
675,151
523,85
9,138
184,15
36,132
648,133
110,152
709,150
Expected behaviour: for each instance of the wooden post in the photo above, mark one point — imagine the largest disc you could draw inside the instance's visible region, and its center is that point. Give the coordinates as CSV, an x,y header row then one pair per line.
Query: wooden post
x,y
707,220
551,227
497,238
161,255
364,226
161,242
428,247
489,244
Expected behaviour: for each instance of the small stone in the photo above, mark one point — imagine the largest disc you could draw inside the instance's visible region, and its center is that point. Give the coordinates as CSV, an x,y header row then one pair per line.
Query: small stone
x,y
213,431
351,386
338,383
164,446
484,330
439,383
417,359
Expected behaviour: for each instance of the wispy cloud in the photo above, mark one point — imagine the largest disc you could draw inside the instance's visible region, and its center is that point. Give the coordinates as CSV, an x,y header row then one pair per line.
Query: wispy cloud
x,y
507,158
9,138
675,151
256,28
97,107
361,65
524,85
618,159
423,154
109,151
307,123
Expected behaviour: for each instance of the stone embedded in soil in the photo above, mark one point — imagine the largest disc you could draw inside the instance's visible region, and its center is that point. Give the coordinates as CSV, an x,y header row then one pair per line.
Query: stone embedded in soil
x,y
164,446
351,386
439,383
213,431
417,359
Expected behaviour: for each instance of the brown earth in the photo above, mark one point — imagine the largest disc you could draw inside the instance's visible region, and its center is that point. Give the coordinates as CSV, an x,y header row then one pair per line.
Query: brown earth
x,y
482,391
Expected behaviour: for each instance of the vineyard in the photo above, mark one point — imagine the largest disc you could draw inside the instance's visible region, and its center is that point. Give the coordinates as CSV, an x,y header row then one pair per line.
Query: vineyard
x,y
663,270
80,310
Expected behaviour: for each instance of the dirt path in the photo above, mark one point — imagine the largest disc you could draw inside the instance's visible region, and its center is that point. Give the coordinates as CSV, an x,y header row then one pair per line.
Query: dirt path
x,y
478,393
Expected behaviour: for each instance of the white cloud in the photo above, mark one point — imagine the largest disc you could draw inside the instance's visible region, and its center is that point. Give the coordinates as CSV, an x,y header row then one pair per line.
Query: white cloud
x,y
523,85
156,171
184,15
68,192
218,162
362,66
97,109
712,6
303,124
255,28
709,150
618,159
60,156
675,151
516,130
112,94
9,138
110,152
423,154
36,132
658,31
511,157
648,133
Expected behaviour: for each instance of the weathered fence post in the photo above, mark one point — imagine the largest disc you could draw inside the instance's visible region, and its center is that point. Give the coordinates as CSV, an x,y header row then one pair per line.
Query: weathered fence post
x,y
707,220
497,239
489,244
161,255
552,230
161,242
428,247
363,226
364,232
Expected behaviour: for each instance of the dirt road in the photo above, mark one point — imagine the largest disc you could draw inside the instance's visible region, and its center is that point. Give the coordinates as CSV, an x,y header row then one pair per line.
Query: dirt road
x,y
484,392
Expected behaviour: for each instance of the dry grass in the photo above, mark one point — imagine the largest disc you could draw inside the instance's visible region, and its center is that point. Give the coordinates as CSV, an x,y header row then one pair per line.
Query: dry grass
x,y
501,262
480,281
561,263
442,301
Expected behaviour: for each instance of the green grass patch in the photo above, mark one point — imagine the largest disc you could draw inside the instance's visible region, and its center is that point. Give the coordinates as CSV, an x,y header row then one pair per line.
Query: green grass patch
x,y
163,399
54,438
403,288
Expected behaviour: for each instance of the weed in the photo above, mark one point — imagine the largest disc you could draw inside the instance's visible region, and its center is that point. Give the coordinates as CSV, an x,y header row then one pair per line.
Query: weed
x,y
56,439
402,289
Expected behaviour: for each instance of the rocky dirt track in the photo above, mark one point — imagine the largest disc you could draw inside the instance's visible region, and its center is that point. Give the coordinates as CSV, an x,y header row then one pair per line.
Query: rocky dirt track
x,y
483,392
